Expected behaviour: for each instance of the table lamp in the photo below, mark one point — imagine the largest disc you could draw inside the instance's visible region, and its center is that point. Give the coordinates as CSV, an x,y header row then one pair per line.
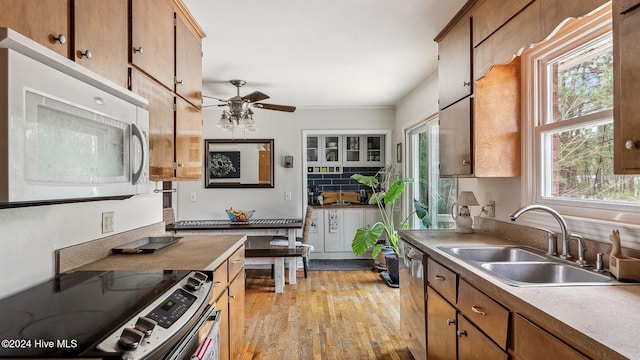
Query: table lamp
x,y
464,221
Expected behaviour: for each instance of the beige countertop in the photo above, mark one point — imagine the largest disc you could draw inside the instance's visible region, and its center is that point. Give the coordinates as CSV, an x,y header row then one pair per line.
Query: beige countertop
x,y
601,321
192,252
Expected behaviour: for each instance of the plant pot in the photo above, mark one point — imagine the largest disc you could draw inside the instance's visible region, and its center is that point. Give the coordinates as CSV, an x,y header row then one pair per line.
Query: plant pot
x,y
391,261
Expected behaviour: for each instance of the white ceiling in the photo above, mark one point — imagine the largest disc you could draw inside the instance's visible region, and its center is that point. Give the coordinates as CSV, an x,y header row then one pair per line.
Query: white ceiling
x,y
320,53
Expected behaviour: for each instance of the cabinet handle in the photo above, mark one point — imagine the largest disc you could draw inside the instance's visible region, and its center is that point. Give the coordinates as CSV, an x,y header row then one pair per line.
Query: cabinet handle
x,y
217,283
86,54
181,82
467,83
237,261
461,333
232,296
181,165
60,38
450,322
439,277
478,310
630,145
138,50
466,162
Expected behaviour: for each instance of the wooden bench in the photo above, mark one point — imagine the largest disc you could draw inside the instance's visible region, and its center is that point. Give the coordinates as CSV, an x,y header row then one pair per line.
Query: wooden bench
x,y
274,257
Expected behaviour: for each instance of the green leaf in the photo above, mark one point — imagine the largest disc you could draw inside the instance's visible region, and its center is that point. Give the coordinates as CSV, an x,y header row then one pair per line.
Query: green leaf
x,y
395,190
376,198
366,237
370,181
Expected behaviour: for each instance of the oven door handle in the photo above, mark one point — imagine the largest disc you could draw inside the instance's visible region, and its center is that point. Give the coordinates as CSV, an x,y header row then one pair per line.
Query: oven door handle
x,y
209,314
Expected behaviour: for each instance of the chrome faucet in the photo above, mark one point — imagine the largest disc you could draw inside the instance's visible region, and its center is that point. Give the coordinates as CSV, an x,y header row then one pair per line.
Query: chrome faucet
x,y
563,225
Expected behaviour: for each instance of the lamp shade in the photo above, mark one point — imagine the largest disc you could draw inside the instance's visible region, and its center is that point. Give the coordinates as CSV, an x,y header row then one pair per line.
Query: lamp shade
x,y
467,198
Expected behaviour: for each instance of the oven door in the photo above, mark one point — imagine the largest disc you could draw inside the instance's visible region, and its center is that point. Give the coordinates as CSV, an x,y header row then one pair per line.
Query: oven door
x,y
202,341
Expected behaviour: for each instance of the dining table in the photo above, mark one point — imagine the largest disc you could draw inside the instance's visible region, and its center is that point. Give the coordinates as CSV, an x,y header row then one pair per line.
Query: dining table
x,y
254,227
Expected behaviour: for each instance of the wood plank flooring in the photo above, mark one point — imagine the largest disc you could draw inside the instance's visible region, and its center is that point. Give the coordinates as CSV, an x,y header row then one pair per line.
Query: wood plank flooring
x,y
329,315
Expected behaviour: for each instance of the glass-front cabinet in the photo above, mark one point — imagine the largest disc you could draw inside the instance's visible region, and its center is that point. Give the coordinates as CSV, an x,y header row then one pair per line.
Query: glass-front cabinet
x,y
313,150
330,153
324,153
332,150
363,150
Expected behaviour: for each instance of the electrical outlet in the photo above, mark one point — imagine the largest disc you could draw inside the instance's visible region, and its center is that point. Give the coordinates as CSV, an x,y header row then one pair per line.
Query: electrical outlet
x,y
287,195
192,197
491,209
107,222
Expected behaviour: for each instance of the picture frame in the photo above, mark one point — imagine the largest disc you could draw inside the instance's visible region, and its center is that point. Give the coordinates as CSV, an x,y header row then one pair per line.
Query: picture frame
x,y
399,152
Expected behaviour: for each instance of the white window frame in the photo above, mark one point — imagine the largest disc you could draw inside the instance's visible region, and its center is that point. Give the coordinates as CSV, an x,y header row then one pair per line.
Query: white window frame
x,y
592,219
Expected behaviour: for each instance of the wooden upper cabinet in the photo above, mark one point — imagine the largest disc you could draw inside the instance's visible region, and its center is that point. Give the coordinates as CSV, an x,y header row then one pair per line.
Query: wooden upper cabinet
x,y
42,21
626,71
101,38
152,39
454,66
189,147
455,139
490,15
188,81
161,120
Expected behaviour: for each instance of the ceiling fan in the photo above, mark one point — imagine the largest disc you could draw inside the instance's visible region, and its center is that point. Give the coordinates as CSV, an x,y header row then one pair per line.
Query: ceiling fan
x,y
240,114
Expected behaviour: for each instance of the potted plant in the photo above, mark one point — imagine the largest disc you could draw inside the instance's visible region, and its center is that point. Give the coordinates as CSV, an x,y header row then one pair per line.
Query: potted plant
x,y
385,192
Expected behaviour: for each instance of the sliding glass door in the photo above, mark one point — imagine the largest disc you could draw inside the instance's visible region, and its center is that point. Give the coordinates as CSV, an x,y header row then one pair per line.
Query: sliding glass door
x,y
429,191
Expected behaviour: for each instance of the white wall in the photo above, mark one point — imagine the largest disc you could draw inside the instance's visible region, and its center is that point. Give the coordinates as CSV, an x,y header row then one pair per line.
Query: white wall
x,y
30,235
286,130
422,103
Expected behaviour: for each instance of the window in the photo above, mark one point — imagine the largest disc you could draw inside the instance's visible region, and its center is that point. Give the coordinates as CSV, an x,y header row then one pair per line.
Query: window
x,y
568,123
427,187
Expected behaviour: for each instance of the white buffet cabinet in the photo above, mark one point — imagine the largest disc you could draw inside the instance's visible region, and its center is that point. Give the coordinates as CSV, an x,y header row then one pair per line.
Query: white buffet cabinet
x,y
332,229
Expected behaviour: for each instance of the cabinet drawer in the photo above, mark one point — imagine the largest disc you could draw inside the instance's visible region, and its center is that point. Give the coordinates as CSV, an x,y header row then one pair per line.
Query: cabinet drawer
x,y
442,280
532,342
490,316
219,281
474,345
236,263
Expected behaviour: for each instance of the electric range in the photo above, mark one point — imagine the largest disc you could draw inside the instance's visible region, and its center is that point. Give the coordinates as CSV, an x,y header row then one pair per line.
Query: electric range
x,y
106,314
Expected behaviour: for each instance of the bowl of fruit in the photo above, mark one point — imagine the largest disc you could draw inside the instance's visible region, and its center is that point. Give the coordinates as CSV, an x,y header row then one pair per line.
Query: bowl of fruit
x,y
238,215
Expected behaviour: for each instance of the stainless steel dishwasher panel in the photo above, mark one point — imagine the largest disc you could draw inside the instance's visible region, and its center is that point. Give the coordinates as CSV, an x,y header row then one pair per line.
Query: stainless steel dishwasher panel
x,y
413,299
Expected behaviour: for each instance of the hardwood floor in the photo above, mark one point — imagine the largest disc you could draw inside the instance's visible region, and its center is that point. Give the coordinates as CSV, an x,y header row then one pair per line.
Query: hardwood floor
x,y
329,315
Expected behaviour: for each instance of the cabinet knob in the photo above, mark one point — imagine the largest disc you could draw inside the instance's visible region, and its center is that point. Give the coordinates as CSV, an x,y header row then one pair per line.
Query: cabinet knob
x,y
450,322
461,333
232,296
179,82
181,165
466,162
86,54
60,38
138,50
630,145
217,283
467,83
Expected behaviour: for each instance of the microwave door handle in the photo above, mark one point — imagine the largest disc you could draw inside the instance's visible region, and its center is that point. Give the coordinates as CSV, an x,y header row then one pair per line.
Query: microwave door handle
x,y
135,131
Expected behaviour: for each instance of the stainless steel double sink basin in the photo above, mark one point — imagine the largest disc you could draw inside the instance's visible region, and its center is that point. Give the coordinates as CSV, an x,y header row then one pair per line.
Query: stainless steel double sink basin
x,y
525,266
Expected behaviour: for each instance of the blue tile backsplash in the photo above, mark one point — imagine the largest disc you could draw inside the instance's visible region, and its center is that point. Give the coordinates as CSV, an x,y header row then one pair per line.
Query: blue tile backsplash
x,y
340,182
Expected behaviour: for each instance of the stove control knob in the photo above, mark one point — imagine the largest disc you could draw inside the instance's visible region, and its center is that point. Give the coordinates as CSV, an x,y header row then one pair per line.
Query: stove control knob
x,y
145,325
193,284
200,276
130,338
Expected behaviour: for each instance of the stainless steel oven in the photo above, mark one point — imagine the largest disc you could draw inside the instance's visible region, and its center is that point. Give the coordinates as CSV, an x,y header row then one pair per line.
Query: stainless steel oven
x,y
156,314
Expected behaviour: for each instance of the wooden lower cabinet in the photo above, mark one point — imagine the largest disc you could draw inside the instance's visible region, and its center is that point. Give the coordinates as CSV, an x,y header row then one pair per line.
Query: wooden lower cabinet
x,y
474,345
530,342
441,326
236,316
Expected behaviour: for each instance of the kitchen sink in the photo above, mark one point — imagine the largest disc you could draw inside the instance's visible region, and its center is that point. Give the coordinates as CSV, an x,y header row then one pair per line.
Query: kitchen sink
x,y
519,265
545,273
495,253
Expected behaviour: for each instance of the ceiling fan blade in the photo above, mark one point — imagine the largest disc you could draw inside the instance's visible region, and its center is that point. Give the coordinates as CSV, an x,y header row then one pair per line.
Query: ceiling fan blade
x,y
213,97
255,96
275,107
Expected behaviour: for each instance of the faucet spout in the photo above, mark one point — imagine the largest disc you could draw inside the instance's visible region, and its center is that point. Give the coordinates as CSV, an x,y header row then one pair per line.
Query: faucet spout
x,y
563,225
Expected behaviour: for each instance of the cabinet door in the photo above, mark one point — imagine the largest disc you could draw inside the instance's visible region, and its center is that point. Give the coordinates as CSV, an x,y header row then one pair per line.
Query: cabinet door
x,y
152,39
188,141
353,150
473,345
332,150
454,69
316,233
101,29
333,224
313,150
455,139
222,304
375,150
188,81
441,327
531,342
626,109
39,20
236,316
353,220
161,119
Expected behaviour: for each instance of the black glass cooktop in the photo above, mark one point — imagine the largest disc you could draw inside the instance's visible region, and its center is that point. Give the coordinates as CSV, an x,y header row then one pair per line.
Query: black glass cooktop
x,y
66,317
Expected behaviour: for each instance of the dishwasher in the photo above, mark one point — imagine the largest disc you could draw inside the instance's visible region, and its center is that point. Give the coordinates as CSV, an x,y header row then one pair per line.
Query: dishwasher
x,y
413,299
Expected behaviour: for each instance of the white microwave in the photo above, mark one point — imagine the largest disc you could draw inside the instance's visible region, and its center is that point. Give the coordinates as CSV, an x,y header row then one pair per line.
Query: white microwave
x,y
66,134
